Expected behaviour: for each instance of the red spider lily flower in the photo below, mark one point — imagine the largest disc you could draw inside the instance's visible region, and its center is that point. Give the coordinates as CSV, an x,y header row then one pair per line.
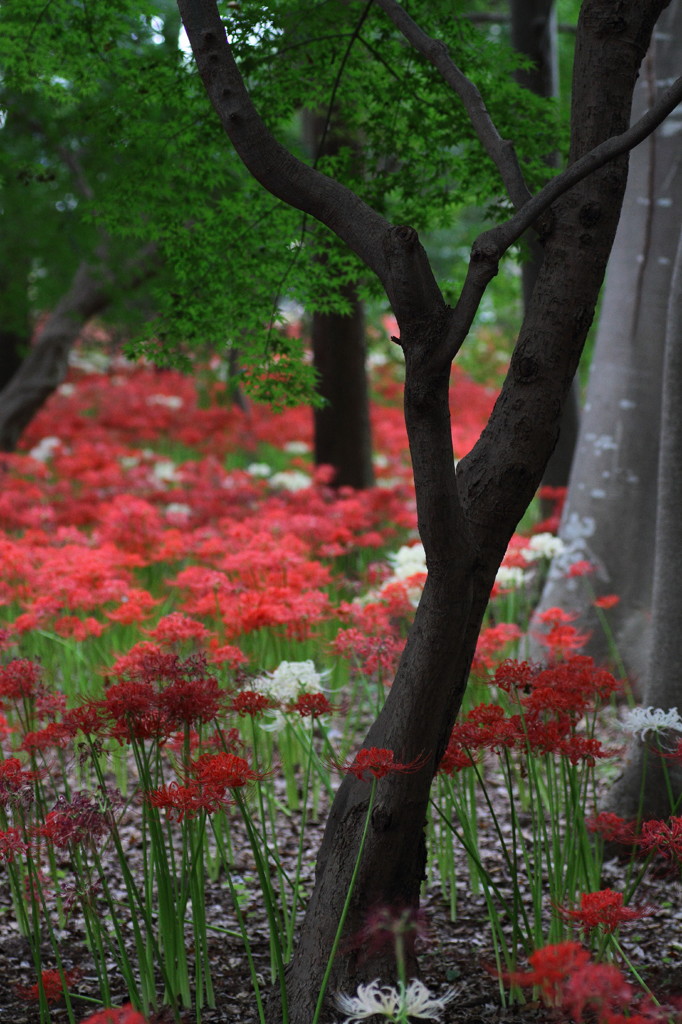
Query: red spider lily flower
x,y
135,713
11,844
584,748
253,703
177,628
490,642
20,679
225,771
73,628
455,759
56,734
225,654
52,985
137,605
6,639
487,727
551,966
562,641
374,653
5,728
90,719
377,761
311,705
16,783
581,568
191,700
185,801
84,818
607,601
126,1014
556,617
130,699
662,837
600,989
612,828
602,908
572,687
514,676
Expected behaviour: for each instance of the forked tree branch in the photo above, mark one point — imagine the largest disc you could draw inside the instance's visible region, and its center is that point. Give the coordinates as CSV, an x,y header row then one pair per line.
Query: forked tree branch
x,y
279,171
511,230
501,151
392,253
491,245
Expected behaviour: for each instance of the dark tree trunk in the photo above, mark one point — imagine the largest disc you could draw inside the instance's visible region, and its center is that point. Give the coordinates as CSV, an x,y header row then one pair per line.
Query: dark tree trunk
x,y
534,33
46,363
651,785
15,317
610,514
494,485
343,436
13,348
466,517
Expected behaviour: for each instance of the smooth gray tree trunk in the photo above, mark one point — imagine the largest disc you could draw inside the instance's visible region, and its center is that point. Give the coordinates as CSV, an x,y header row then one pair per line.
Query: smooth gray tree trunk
x,y
651,785
610,513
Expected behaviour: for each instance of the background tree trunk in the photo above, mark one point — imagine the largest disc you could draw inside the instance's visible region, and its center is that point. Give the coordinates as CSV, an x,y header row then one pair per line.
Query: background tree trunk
x,y
651,786
342,429
610,513
15,318
46,363
343,437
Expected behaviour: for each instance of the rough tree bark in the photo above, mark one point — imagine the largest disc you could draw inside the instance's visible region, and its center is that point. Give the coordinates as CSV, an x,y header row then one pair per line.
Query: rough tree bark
x,y
613,481
45,366
467,516
533,33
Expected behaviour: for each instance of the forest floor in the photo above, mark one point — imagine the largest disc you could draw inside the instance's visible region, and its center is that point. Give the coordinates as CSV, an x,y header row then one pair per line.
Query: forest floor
x,y
454,954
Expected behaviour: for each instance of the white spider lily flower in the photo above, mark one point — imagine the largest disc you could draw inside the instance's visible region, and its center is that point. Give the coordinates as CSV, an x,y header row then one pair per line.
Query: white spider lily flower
x,y
543,545
509,577
169,401
166,472
290,480
408,561
297,447
289,680
286,684
640,721
414,1001
45,449
259,469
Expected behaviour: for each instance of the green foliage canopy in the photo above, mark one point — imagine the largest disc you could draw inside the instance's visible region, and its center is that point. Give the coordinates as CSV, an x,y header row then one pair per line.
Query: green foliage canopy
x,y
111,135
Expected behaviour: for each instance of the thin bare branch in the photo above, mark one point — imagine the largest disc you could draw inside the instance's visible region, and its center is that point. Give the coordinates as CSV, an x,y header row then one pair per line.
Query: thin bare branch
x,y
506,234
501,151
491,245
